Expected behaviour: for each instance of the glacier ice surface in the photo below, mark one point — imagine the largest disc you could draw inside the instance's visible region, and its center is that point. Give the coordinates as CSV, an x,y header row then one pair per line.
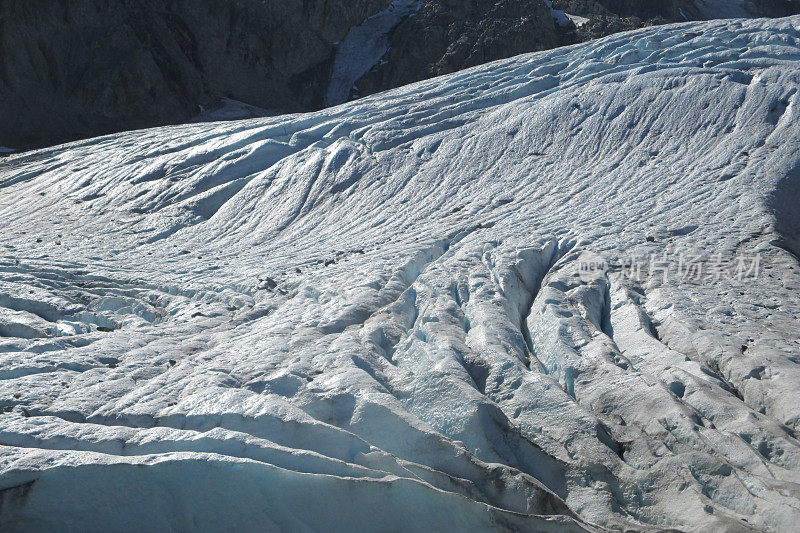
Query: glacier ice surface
x,y
374,317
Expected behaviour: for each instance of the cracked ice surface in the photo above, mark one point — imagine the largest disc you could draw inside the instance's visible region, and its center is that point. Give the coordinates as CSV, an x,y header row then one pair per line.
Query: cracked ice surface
x,y
371,317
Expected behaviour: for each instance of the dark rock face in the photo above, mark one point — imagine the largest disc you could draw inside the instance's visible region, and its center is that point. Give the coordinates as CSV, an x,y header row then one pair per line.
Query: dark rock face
x,y
72,69
79,68
448,35
612,16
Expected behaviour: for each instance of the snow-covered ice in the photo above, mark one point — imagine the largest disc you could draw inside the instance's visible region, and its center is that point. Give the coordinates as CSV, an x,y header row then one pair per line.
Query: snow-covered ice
x,y
363,48
374,316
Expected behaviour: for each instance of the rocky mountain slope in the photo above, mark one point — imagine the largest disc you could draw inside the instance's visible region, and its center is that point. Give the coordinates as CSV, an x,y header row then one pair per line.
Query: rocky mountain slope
x,y
73,69
557,292
604,17
449,35
78,68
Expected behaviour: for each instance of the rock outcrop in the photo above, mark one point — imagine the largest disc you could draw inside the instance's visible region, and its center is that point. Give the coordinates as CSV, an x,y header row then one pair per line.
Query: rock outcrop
x,y
605,17
449,35
79,68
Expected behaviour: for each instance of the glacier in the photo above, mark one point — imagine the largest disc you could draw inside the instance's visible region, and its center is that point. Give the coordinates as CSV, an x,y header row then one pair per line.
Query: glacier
x,y
374,316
